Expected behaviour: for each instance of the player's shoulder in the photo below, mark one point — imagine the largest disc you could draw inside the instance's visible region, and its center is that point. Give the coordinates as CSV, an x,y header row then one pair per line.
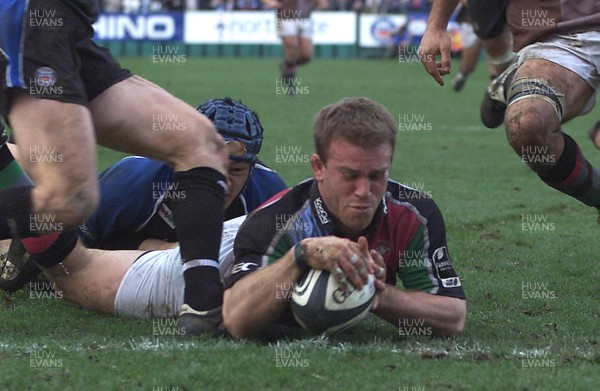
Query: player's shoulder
x,y
263,172
413,196
289,199
262,167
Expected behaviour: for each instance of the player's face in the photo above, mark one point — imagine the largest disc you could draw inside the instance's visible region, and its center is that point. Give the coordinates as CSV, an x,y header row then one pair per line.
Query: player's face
x,y
353,183
237,173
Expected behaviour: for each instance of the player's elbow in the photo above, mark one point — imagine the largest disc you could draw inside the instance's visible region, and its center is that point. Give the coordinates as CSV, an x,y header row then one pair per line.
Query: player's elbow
x,y
234,319
455,324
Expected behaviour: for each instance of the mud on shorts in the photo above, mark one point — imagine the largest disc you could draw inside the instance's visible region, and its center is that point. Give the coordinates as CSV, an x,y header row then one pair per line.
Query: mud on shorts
x,y
51,54
579,53
153,285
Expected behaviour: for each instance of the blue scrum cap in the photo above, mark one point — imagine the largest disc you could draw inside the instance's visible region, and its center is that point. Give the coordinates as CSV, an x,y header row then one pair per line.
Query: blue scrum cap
x,y
235,122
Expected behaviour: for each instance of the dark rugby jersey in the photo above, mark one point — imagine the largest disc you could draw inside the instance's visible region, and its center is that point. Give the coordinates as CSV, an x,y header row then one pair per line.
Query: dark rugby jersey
x,y
407,230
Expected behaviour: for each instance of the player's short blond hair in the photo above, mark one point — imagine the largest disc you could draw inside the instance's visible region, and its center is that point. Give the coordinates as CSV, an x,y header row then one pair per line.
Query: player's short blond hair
x,y
358,121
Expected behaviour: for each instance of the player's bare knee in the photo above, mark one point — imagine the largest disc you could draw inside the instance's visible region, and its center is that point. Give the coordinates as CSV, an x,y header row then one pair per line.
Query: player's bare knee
x,y
535,107
524,126
67,205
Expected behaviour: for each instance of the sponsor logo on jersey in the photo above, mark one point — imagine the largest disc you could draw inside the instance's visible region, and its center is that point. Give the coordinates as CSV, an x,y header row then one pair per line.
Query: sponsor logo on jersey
x,y
451,282
441,260
321,212
243,267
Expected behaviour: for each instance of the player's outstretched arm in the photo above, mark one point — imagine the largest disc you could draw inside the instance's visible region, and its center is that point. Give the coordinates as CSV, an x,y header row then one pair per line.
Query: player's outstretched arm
x,y
436,40
418,312
258,299
436,315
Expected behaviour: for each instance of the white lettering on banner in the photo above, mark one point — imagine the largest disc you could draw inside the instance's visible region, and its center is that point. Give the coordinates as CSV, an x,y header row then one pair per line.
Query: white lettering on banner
x,y
136,27
260,27
253,27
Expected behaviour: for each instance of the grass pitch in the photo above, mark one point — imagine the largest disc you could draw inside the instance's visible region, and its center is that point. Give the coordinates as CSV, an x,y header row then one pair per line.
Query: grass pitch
x,y
526,255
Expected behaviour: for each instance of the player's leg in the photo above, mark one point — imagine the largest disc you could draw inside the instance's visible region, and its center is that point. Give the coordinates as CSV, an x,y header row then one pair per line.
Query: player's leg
x,y
470,56
44,103
499,50
488,18
489,23
290,58
544,94
90,277
163,127
305,44
57,143
287,31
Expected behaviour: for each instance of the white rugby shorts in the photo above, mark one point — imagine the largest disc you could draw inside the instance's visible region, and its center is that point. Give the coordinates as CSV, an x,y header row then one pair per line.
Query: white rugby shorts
x,y
580,53
153,285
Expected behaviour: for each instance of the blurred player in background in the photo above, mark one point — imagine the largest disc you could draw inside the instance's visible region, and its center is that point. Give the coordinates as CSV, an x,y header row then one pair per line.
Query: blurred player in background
x,y
554,79
295,29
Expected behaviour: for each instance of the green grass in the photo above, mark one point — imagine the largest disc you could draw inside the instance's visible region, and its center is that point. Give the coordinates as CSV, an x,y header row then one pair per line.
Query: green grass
x,y
481,187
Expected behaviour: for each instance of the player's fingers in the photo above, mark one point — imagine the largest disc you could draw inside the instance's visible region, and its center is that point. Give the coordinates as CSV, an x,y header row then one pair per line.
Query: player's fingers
x,y
358,261
379,265
427,58
363,247
355,273
444,65
344,279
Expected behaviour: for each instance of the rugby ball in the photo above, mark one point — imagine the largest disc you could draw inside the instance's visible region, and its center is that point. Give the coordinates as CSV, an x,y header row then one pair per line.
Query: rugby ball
x,y
320,306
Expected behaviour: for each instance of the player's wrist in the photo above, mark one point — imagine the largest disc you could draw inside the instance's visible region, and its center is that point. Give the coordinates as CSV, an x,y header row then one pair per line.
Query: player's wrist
x,y
300,256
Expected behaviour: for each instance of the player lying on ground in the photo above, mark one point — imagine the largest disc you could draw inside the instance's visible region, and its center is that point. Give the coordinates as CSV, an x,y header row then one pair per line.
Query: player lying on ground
x,y
137,193
319,223
129,282
554,79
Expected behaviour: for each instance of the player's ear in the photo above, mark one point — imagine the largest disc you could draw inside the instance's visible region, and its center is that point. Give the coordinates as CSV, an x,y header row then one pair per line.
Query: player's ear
x,y
317,166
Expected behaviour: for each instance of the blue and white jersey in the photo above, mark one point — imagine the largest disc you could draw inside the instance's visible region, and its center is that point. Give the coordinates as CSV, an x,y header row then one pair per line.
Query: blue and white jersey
x,y
133,206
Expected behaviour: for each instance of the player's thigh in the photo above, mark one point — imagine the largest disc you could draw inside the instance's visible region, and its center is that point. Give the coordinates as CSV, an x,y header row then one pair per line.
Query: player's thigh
x,y
94,276
138,117
575,90
56,142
